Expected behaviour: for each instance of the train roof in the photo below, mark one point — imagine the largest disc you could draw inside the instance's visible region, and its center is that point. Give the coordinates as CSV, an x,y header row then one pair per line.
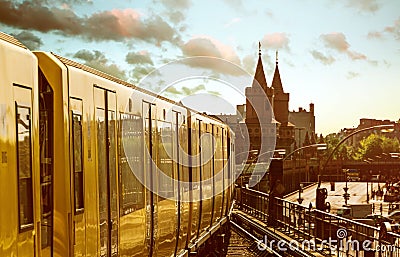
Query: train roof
x,y
11,39
86,68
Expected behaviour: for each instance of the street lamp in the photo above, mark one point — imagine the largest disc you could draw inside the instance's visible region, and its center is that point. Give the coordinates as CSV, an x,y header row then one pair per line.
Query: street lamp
x,y
367,161
318,146
346,195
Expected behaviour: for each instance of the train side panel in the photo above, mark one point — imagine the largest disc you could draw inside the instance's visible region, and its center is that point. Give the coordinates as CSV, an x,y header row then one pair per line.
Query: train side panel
x,y
19,149
133,215
167,188
83,155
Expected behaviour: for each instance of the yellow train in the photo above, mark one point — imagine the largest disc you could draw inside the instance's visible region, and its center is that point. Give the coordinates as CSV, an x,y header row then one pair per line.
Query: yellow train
x,y
80,151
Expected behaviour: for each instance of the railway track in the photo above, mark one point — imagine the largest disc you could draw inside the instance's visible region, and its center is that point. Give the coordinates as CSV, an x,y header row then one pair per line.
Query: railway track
x,y
242,243
255,231
239,246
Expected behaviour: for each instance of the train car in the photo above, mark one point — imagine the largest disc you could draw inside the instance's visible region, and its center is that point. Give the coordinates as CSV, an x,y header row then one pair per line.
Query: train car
x,y
19,147
212,168
104,168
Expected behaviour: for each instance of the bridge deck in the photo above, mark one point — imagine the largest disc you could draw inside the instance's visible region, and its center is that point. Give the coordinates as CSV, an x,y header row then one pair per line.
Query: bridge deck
x,y
357,191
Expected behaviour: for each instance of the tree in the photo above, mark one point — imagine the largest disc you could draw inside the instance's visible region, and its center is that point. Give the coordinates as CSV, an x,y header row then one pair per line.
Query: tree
x,y
391,145
344,152
374,145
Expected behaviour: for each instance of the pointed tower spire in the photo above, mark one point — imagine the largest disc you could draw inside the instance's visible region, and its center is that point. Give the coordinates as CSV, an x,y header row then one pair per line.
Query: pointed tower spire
x,y
276,81
259,76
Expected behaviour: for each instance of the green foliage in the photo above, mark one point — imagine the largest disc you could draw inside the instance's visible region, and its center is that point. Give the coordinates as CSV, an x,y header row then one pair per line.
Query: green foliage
x,y
344,152
374,145
369,147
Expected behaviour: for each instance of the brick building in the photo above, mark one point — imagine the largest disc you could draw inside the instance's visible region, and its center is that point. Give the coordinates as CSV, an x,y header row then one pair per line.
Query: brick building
x,y
258,111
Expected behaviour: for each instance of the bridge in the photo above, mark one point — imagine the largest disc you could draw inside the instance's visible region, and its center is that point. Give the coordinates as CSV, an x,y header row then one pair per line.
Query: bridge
x,y
381,165
279,227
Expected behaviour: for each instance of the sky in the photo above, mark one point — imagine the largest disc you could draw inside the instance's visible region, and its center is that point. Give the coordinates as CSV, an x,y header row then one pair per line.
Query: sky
x,y
341,55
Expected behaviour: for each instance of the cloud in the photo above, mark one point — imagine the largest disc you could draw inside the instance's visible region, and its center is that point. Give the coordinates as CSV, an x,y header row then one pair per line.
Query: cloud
x,y
30,15
275,41
30,40
141,57
210,47
327,60
173,90
107,25
52,2
176,4
364,5
231,22
186,91
192,91
173,10
139,72
249,63
338,42
123,24
351,75
393,30
175,17
270,14
237,5
216,93
375,34
98,60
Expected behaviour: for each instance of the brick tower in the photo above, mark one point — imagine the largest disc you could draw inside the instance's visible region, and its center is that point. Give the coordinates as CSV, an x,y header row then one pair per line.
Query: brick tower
x,y
258,111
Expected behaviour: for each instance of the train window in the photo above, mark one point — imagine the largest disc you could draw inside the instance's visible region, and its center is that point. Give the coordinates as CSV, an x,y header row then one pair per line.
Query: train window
x,y
24,167
131,161
78,164
166,187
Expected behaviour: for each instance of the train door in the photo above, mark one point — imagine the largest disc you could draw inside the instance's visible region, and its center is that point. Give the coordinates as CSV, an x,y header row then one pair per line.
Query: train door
x,y
177,174
107,171
206,145
183,178
149,115
25,170
194,177
77,176
46,142
200,175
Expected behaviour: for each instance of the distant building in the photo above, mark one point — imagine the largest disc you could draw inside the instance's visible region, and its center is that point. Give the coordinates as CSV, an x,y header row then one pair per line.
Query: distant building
x,y
246,120
305,126
365,123
255,100
237,123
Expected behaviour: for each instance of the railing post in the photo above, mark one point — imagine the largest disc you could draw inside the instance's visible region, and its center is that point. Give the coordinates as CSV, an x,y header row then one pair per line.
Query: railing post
x,y
276,190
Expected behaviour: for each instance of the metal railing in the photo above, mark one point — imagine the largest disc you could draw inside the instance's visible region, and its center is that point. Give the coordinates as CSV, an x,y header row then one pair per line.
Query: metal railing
x,y
316,230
